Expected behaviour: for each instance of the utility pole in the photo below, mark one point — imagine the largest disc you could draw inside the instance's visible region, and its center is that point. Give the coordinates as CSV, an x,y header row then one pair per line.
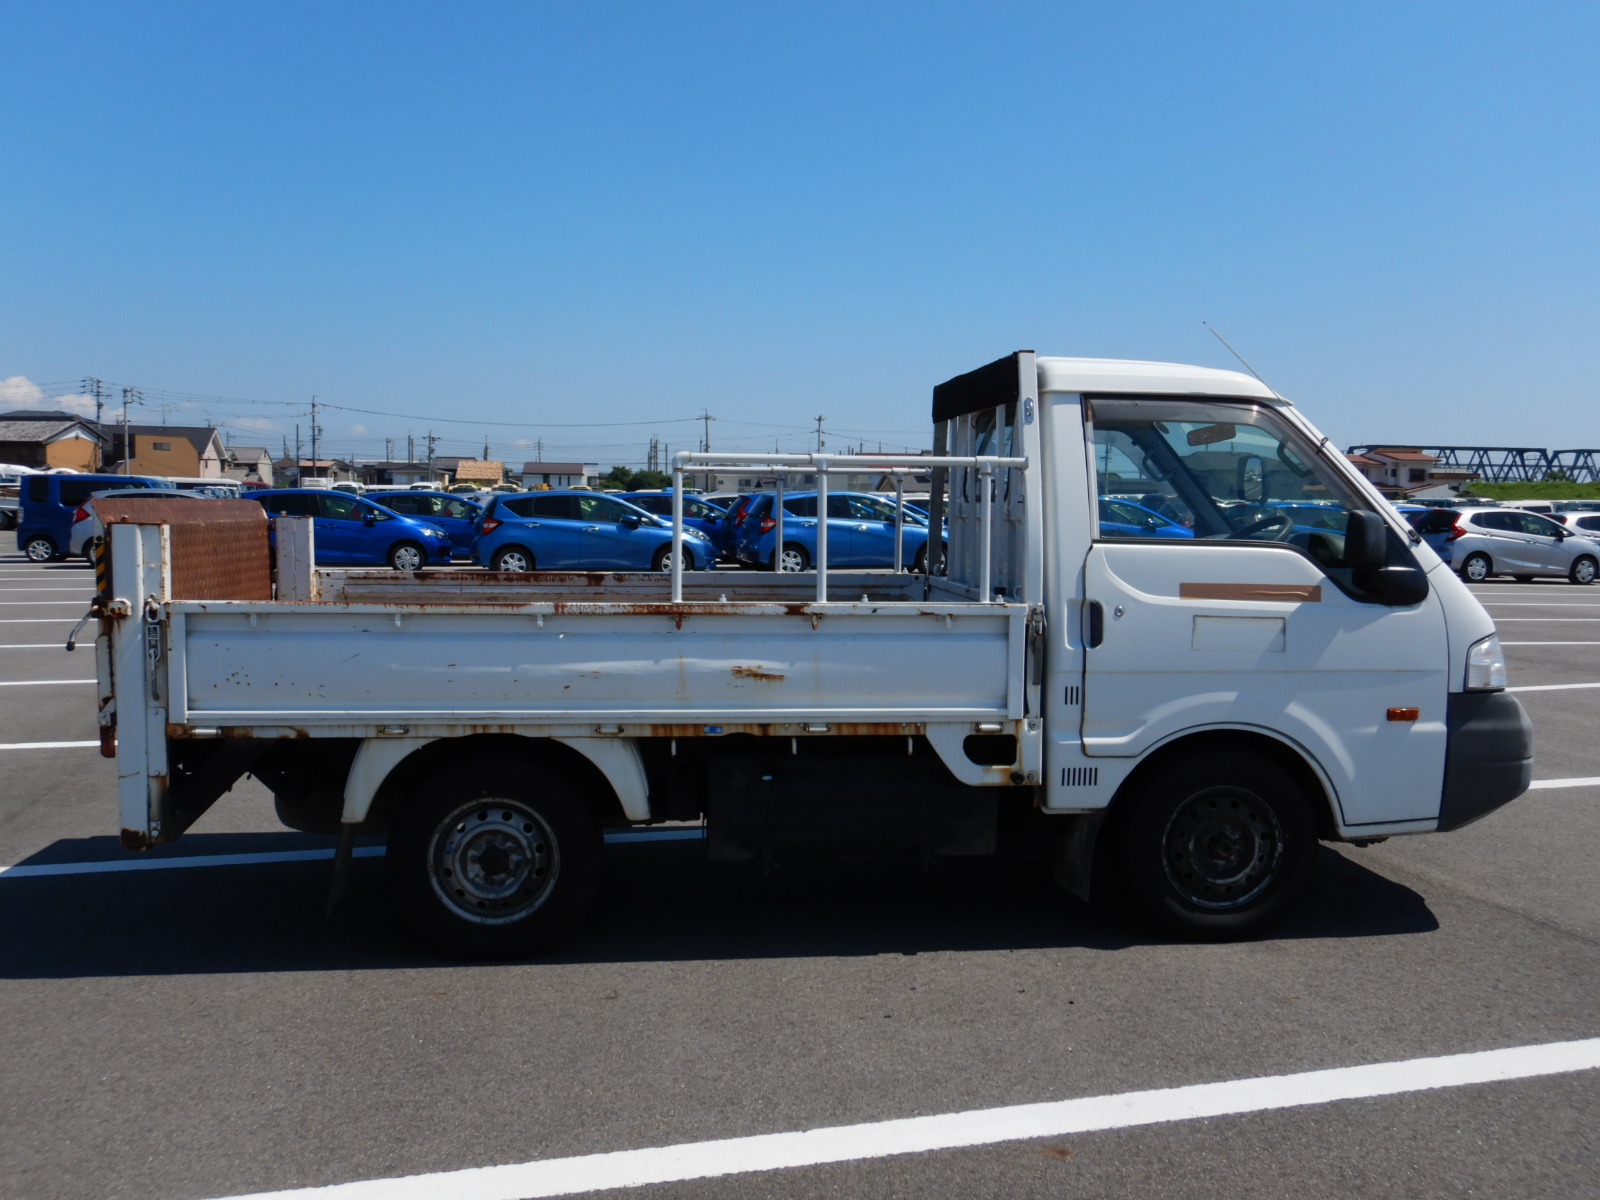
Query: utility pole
x,y
431,441
297,459
411,447
96,389
130,395
485,449
705,415
388,449
315,430
820,420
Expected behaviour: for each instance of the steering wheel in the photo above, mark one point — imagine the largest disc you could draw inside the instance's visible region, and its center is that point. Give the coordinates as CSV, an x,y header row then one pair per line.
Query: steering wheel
x,y
1277,520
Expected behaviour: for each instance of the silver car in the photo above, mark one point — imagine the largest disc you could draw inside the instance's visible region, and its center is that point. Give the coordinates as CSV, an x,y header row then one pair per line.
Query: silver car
x,y
86,527
1509,541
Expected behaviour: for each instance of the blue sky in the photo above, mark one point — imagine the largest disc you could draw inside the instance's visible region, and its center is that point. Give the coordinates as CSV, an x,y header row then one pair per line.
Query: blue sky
x,y
594,221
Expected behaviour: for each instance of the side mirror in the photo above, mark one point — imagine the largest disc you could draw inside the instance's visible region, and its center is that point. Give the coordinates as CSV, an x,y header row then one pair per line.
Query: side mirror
x,y
629,521
1364,541
369,519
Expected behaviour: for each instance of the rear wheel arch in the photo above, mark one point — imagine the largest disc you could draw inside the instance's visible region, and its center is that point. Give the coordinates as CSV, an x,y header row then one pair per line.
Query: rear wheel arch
x,y
587,779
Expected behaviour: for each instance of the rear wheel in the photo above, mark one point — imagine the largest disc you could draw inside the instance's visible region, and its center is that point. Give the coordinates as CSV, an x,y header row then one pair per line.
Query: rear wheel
x,y
407,556
39,549
1217,845
512,558
494,859
793,559
90,549
1583,570
1476,568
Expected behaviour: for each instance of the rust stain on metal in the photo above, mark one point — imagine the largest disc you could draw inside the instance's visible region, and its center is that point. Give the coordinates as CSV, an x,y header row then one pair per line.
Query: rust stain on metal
x,y
135,839
758,673
108,741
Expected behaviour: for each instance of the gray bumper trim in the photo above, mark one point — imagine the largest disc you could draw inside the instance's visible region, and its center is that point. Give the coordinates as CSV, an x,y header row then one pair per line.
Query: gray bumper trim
x,y
1489,756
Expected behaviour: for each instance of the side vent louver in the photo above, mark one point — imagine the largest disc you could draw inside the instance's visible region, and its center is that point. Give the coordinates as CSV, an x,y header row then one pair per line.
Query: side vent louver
x,y
1073,695
1080,776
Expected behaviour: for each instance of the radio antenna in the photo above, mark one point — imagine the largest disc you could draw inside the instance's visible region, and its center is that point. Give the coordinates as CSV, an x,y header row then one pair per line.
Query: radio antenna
x,y
1240,357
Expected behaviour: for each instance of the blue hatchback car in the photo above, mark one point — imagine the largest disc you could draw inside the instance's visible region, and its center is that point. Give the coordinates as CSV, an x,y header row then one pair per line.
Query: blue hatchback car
x,y
1125,519
580,531
44,524
697,513
456,515
860,532
351,531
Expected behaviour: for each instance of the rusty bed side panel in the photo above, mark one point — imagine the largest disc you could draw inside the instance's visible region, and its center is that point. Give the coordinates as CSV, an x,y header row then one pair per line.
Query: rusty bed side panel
x,y
219,547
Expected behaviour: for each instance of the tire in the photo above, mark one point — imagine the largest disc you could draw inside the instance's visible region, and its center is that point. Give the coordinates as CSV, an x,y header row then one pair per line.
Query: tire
x,y
1523,578
1216,846
1476,568
407,556
662,559
919,564
39,549
792,560
89,550
511,558
494,858
1583,570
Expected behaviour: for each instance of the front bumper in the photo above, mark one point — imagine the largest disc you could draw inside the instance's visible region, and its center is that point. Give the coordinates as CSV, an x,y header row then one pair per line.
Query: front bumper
x,y
1488,757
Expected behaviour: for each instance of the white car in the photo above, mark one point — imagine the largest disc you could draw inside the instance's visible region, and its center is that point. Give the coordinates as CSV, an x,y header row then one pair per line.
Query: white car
x,y
1509,541
86,527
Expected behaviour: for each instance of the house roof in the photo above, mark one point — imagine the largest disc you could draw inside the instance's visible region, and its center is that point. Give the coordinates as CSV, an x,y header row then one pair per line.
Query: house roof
x,y
1402,455
1363,460
34,425
249,451
549,468
469,469
400,466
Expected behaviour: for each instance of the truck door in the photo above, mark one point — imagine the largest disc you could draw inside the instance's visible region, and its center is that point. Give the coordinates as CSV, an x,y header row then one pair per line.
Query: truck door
x,y
1250,620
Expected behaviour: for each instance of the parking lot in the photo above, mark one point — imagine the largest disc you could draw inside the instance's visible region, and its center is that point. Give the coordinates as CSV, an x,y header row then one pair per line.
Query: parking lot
x,y
200,1030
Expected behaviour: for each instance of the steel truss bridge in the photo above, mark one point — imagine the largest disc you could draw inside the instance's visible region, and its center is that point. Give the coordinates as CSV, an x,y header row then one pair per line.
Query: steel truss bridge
x,y
1506,464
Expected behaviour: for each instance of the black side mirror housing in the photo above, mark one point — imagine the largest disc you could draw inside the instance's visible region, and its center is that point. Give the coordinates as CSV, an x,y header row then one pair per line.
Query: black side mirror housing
x,y
629,521
1364,540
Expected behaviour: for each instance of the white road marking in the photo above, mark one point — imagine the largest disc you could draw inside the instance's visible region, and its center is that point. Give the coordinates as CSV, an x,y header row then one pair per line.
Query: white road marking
x,y
36,603
74,588
45,745
264,856
1553,687
1592,781
35,620
951,1131
1538,644
52,682
1533,604
61,645
1547,620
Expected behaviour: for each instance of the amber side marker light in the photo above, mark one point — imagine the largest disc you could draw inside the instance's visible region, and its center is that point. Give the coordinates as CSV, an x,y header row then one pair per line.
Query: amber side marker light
x,y
1404,714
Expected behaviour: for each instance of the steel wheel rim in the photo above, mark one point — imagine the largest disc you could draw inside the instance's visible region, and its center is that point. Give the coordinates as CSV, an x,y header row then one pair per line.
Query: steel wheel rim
x,y
791,562
1584,571
1477,570
408,558
1222,847
666,562
494,861
40,551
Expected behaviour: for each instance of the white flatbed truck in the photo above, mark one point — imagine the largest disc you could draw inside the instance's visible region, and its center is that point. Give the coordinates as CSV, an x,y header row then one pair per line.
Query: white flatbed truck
x,y
1171,641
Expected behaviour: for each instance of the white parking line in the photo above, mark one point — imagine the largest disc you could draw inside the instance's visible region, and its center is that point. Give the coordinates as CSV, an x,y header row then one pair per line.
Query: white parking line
x,y
74,588
59,645
115,865
35,620
36,603
1552,687
1592,781
1550,643
951,1131
1547,620
1533,604
45,746
52,682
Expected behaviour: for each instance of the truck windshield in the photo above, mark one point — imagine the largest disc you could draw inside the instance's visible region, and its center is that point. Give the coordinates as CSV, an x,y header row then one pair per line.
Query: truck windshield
x,y
1182,469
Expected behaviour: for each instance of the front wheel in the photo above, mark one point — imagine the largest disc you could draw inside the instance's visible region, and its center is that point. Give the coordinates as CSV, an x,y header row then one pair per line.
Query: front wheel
x,y
1216,846
1476,568
1583,570
407,556
662,560
494,859
39,549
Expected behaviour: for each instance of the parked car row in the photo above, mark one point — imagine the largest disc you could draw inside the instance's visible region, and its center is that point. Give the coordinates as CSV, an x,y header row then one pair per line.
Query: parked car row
x,y
1484,542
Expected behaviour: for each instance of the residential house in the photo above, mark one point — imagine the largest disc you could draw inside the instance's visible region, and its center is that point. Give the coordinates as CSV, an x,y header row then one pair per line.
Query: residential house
x,y
399,473
539,475
481,472
249,464
184,451
48,438
292,473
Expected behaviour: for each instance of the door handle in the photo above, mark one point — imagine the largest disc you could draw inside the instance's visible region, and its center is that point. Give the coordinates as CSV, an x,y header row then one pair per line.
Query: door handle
x,y
591,529
1097,623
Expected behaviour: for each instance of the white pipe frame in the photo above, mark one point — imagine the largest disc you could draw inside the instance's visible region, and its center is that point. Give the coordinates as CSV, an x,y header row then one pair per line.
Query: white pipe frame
x,y
823,465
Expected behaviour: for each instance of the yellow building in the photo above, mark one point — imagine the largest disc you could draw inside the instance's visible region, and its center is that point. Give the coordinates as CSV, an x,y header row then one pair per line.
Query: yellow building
x,y
181,451
42,439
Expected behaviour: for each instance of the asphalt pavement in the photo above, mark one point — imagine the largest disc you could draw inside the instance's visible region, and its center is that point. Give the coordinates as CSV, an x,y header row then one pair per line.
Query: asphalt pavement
x,y
203,1031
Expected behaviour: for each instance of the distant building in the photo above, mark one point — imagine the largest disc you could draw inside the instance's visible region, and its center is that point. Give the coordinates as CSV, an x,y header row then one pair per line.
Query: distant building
x,y
537,475
49,438
185,451
480,471
400,473
292,473
249,464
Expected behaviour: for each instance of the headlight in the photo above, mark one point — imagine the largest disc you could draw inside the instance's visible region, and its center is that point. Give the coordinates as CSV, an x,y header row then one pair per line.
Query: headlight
x,y
1486,665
